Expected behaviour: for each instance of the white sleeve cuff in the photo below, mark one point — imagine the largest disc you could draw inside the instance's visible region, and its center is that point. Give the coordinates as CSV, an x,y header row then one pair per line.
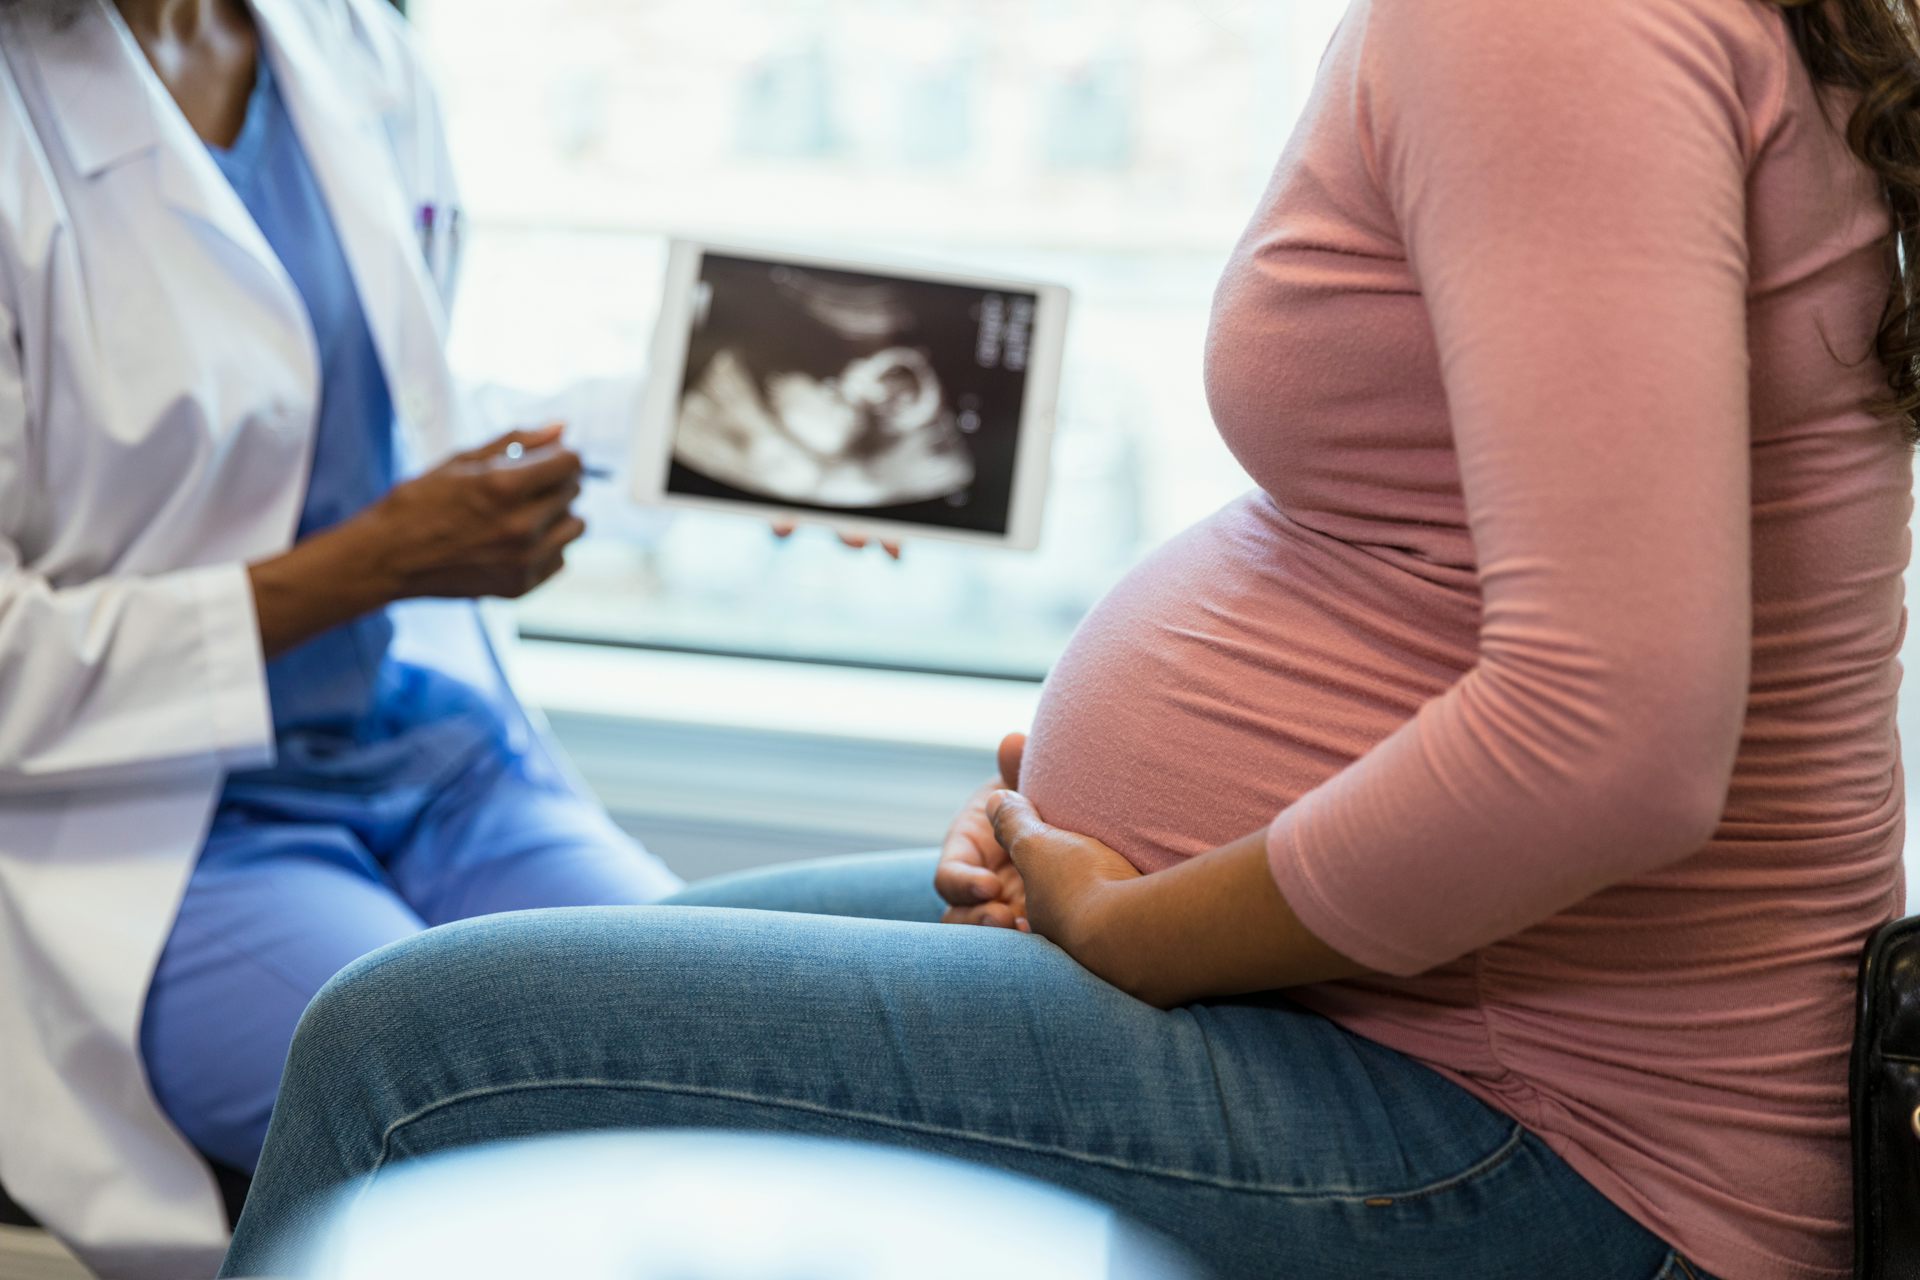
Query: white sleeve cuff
x,y
240,711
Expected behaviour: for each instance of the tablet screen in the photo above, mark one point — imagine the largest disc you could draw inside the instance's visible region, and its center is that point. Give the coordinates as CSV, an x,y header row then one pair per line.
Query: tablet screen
x,y
822,388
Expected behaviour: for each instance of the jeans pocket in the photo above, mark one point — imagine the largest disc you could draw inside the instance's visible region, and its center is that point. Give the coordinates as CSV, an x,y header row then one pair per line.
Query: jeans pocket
x,y
1678,1268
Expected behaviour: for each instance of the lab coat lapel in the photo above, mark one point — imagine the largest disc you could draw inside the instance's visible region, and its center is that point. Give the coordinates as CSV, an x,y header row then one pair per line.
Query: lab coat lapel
x,y
340,126
111,109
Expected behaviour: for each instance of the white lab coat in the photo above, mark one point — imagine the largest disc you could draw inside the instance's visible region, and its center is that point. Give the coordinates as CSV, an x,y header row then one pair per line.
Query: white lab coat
x,y
158,394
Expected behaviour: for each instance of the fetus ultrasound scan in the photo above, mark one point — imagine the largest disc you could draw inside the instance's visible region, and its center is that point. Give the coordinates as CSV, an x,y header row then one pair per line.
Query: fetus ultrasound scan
x,y
821,389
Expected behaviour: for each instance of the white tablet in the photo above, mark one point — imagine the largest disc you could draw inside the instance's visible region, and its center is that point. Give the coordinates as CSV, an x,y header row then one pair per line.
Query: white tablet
x,y
879,400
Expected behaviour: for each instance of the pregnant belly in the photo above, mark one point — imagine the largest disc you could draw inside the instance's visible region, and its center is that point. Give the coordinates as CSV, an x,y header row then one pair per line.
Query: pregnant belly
x,y
1233,671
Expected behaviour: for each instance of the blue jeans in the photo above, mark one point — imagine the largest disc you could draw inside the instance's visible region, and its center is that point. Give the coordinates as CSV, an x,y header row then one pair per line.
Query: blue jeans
x,y
1263,1138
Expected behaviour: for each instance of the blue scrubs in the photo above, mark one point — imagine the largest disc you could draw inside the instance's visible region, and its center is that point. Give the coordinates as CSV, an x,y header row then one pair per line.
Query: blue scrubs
x,y
396,802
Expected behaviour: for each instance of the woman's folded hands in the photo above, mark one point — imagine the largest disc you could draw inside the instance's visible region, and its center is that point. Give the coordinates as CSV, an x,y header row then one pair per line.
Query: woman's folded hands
x,y
1215,925
976,878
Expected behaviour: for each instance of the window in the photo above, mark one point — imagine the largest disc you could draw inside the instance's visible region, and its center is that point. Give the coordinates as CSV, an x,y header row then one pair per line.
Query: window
x,y
1114,145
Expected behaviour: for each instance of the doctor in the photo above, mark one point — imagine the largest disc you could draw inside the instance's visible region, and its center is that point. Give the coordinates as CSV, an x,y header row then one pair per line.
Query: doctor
x,y
234,756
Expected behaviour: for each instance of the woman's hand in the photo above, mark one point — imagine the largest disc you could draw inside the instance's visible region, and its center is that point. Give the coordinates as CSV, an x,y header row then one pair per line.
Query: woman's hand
x,y
494,521
976,878
1070,882
1211,926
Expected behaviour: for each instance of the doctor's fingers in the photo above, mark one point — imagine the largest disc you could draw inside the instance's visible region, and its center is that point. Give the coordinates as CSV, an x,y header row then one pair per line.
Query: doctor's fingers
x,y
785,529
552,547
551,558
512,480
528,523
528,438
536,563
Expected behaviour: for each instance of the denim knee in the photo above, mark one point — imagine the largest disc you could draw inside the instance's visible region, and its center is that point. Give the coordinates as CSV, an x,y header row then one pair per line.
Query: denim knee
x,y
368,1020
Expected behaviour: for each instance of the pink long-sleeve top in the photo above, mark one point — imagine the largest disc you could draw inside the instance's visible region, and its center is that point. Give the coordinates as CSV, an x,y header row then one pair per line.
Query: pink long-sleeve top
x,y
1561,631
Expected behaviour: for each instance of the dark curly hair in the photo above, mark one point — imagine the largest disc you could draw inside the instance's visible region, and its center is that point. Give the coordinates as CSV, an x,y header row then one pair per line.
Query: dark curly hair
x,y
1870,48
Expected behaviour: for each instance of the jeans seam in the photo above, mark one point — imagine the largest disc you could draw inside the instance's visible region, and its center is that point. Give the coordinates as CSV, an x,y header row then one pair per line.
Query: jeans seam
x,y
1487,1164
1484,1165
1219,1085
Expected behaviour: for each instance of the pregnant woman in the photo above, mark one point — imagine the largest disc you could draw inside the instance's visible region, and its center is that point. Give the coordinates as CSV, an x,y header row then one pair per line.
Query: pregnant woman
x,y
1560,637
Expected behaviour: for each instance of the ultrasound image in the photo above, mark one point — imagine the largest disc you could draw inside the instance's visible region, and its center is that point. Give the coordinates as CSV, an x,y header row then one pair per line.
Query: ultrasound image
x,y
850,392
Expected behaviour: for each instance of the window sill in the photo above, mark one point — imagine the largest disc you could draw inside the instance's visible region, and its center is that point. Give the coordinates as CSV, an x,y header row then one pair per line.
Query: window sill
x,y
719,764
894,708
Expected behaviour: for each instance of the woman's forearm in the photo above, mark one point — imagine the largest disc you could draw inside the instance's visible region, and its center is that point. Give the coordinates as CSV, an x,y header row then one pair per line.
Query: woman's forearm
x,y
1216,925
320,583
494,521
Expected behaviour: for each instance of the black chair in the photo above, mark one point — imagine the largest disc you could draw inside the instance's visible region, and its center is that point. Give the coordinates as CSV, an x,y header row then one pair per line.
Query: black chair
x,y
11,1214
1886,1107
233,1192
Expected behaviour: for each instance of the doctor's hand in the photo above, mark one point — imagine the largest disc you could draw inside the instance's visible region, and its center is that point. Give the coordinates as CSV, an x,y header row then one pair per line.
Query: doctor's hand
x,y
494,521
785,529
975,877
